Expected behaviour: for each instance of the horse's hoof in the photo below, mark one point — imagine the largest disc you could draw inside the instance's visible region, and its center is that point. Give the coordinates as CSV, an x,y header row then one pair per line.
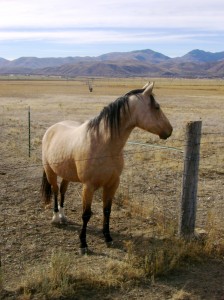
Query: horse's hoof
x,y
63,221
109,244
83,251
55,222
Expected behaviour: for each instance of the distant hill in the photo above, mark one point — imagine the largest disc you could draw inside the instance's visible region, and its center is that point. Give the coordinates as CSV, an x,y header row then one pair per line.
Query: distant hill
x,y
35,62
3,61
196,63
141,56
202,56
105,68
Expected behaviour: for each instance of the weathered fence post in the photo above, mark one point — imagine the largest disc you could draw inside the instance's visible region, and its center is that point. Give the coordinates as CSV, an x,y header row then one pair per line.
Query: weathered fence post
x,y
29,131
190,180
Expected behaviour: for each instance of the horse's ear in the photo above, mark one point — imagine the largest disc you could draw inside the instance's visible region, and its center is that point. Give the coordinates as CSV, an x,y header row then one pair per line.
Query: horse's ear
x,y
148,89
145,86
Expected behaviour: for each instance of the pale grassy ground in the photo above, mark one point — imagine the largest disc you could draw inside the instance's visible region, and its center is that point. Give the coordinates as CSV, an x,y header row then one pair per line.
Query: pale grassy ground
x,y
147,202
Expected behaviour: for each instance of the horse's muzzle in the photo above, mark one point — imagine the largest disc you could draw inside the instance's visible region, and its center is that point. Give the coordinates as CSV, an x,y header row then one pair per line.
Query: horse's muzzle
x,y
165,136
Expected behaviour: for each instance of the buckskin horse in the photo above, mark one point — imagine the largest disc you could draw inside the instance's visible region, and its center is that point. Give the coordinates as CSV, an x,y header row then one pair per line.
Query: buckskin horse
x,y
92,153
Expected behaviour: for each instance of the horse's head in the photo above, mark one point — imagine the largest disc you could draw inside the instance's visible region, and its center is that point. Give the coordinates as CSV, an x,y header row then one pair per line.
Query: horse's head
x,y
149,116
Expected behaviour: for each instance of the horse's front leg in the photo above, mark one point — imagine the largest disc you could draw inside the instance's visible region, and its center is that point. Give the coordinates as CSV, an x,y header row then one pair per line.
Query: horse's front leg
x,y
108,194
87,196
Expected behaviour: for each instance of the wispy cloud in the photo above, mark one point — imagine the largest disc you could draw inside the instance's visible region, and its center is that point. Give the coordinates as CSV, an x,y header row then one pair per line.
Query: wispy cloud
x,y
113,13
114,21
88,36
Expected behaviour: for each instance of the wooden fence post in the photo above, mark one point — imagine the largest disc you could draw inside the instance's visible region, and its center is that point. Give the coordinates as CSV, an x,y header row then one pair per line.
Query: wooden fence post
x,y
29,131
190,180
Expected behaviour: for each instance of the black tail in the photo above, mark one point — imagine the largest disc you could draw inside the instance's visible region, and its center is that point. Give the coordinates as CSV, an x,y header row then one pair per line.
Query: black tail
x,y
46,190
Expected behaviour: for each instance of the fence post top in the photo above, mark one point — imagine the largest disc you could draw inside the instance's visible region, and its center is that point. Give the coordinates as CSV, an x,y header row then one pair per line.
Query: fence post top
x,y
194,122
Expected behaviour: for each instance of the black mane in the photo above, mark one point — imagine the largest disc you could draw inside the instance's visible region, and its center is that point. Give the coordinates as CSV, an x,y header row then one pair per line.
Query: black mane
x,y
111,114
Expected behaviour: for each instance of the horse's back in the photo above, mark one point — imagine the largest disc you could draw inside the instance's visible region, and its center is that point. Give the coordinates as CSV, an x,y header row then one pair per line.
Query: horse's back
x,y
69,124
61,130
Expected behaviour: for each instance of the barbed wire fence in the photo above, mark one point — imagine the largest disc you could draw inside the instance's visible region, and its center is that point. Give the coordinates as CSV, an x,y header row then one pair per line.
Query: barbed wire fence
x,y
146,203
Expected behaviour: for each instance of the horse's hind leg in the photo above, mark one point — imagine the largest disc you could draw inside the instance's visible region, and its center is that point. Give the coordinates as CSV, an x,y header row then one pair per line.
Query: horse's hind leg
x,y
52,178
108,194
87,196
63,189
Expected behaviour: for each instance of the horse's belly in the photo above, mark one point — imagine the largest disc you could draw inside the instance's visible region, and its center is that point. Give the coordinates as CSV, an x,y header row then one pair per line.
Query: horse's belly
x,y
66,170
99,172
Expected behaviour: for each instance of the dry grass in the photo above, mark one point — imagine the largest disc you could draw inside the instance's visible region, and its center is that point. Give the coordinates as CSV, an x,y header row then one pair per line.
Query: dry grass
x,y
60,279
63,278
165,252
181,295
53,280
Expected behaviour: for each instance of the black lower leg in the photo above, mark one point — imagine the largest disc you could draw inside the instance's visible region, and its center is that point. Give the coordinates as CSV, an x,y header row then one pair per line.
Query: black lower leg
x,y
85,217
63,189
106,225
62,200
56,203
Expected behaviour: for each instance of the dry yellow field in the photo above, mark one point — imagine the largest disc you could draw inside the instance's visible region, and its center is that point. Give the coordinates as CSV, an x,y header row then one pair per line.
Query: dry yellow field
x,y
146,208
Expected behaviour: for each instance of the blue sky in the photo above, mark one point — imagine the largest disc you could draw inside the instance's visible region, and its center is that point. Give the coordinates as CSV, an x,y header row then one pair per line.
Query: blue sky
x,y
56,28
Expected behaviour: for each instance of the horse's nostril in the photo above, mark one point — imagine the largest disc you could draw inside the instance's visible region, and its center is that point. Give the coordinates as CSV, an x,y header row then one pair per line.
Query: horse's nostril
x,y
165,136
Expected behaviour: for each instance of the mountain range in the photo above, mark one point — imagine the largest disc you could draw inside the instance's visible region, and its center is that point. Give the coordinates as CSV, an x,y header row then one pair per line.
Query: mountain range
x,y
148,63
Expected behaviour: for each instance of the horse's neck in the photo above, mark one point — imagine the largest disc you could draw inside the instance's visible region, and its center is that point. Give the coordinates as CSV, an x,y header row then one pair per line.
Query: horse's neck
x,y
118,140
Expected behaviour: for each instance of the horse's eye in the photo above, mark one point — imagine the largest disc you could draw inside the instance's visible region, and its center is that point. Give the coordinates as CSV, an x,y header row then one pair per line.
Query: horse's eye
x,y
157,106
